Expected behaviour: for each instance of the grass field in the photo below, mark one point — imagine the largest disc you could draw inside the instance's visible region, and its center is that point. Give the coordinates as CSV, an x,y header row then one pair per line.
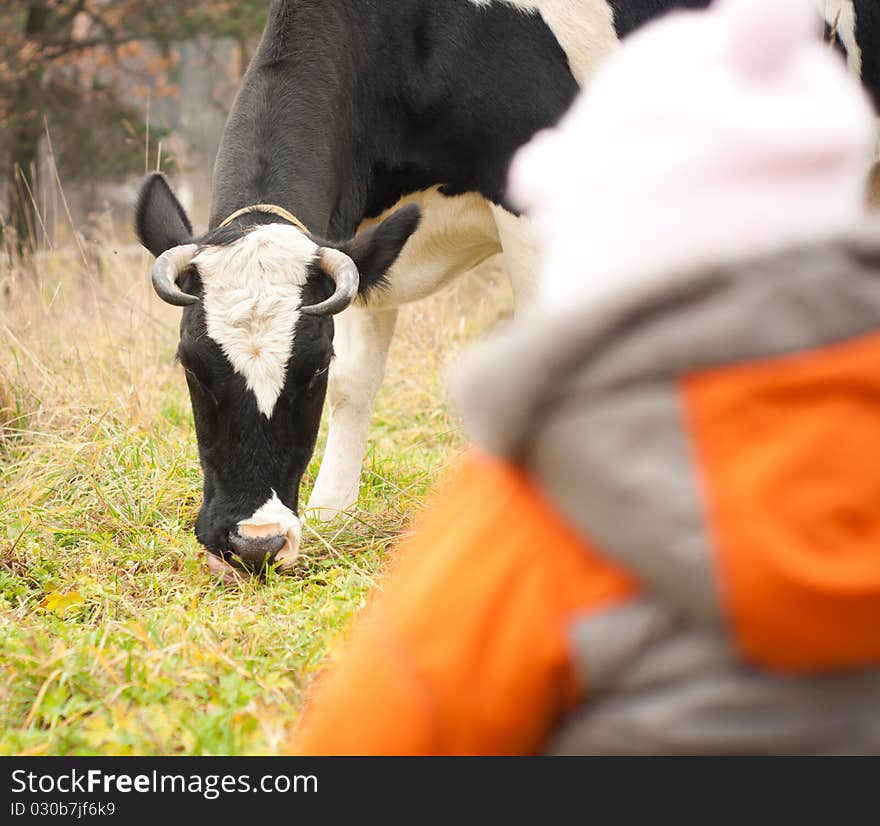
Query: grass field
x,y
114,638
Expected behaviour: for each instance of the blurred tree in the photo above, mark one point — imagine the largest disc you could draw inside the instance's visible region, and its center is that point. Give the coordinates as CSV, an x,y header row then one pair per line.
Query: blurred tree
x,y
61,66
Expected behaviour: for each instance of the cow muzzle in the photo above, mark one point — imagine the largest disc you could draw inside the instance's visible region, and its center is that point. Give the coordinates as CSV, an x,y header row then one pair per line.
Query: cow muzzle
x,y
256,553
270,537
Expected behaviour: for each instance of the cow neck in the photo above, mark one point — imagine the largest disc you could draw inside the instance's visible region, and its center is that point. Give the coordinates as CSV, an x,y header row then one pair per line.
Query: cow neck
x,y
266,159
275,147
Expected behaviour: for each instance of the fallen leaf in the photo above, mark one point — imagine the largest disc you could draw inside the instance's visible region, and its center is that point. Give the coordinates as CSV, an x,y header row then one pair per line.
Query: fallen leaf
x,y
58,603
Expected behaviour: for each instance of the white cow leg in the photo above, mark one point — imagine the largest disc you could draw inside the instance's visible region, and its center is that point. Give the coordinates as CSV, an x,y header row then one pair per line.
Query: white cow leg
x,y
361,343
520,256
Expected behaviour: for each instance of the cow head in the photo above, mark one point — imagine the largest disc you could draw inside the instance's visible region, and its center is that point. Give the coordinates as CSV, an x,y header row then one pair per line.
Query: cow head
x,y
256,342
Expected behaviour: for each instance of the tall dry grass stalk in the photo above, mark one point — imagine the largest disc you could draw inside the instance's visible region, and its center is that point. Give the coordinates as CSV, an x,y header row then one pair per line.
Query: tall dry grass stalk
x,y
76,338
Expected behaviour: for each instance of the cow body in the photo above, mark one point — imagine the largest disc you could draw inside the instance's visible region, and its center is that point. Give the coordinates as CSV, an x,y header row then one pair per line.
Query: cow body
x,y
351,115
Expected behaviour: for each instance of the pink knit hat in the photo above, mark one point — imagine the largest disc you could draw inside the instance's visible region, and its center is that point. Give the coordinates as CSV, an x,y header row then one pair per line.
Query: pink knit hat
x,y
707,135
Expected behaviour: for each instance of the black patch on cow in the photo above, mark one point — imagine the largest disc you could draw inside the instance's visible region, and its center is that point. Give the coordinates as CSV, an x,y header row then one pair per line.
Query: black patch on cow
x,y
629,15
348,106
868,38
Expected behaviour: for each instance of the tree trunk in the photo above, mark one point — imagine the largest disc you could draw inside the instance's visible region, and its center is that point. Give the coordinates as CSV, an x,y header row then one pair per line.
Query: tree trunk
x,y
22,175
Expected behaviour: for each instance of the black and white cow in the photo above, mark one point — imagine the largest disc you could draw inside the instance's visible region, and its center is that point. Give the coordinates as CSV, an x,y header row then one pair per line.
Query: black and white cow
x,y
353,120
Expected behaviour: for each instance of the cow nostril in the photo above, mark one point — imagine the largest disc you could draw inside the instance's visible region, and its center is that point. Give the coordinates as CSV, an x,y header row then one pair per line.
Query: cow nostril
x,y
255,552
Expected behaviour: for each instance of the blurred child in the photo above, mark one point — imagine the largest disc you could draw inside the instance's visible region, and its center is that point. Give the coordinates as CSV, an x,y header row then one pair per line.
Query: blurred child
x,y
667,539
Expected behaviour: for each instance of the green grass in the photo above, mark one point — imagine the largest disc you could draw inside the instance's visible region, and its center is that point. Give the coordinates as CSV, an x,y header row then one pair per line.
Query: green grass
x,y
114,637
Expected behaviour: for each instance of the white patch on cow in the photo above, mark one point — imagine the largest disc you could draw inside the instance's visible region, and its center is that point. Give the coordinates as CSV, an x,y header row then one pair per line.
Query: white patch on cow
x,y
252,296
584,29
454,236
521,255
841,16
275,519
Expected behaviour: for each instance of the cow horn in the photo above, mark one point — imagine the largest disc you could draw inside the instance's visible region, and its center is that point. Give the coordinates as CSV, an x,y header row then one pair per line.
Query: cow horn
x,y
169,265
344,274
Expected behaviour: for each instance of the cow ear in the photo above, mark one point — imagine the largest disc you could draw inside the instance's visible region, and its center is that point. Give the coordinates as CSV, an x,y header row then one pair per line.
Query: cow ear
x,y
160,221
376,249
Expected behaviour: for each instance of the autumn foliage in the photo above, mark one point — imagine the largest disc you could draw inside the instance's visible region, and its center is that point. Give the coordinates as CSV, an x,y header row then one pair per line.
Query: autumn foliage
x,y
82,72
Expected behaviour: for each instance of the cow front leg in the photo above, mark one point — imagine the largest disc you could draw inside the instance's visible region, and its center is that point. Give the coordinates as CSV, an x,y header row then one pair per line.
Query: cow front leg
x,y
361,344
521,257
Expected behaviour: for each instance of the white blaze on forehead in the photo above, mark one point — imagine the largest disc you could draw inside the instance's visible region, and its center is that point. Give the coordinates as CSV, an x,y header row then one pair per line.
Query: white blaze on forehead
x,y
275,519
252,296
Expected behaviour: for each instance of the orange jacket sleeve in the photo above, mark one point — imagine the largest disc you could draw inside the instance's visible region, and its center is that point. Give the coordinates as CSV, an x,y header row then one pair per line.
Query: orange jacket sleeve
x,y
466,649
